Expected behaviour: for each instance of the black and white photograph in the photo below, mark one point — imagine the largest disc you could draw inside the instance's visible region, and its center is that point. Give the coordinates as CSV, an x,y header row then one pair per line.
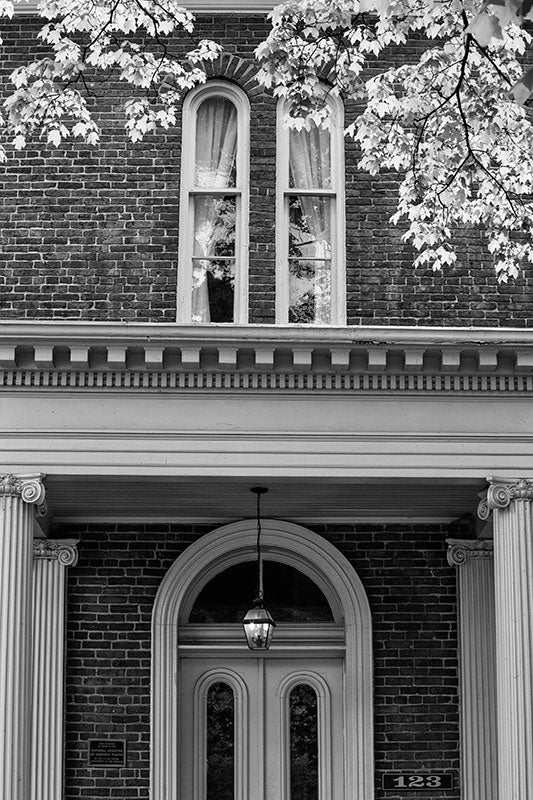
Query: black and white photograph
x,y
266,400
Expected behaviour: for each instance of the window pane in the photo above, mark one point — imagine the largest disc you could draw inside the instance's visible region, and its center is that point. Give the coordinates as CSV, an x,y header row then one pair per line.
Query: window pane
x,y
213,280
310,158
309,291
303,711
216,144
290,596
310,226
213,290
214,226
220,749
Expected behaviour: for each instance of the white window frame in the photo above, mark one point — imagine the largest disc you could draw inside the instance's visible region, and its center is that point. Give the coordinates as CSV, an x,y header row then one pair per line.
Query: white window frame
x,y
338,221
188,191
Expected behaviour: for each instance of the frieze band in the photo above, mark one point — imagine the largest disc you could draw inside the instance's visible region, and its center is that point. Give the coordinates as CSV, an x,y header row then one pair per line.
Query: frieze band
x,y
63,551
460,550
28,488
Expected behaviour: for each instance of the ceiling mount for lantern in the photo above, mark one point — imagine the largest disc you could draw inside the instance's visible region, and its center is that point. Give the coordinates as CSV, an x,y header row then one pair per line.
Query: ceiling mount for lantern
x,y
258,623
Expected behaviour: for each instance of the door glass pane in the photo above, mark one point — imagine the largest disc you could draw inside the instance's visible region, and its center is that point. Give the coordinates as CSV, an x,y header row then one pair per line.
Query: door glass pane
x,y
290,596
220,749
303,724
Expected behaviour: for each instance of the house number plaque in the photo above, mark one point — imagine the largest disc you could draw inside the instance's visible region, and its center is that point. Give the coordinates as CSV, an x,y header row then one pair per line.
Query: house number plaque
x,y
107,753
411,782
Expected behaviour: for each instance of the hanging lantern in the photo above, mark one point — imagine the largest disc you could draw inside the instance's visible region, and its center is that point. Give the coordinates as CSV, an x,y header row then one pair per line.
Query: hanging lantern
x,y
258,623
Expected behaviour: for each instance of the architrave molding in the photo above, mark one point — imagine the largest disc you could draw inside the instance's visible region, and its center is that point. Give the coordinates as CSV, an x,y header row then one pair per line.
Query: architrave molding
x,y
332,572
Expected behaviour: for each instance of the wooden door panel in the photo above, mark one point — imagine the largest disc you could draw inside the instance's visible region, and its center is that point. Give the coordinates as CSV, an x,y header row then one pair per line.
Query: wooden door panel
x,y
262,689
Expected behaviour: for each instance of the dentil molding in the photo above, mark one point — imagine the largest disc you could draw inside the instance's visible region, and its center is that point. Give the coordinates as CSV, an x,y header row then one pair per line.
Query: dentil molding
x,y
460,550
132,356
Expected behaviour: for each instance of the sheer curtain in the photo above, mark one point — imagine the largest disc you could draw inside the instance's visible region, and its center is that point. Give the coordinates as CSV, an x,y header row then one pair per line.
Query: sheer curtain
x,y
310,168
216,150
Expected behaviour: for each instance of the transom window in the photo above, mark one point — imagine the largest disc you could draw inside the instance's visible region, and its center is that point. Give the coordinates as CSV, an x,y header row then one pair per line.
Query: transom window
x,y
310,222
213,245
290,595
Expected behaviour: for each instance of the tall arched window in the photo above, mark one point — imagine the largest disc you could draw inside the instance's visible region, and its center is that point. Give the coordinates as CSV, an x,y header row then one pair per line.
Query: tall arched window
x,y
213,243
310,221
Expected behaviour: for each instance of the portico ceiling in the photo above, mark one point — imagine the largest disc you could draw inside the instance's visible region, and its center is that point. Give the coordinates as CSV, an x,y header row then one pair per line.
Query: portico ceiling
x,y
171,499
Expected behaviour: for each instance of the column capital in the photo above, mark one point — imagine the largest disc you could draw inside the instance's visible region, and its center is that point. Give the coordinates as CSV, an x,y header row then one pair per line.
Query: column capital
x,y
502,491
63,550
29,488
460,550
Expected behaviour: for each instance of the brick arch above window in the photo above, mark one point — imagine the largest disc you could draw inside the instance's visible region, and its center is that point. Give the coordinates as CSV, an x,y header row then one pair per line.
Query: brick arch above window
x,y
240,71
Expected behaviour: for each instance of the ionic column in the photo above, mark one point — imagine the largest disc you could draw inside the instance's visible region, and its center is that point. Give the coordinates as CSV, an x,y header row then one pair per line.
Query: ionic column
x,y
50,559
511,501
18,496
478,666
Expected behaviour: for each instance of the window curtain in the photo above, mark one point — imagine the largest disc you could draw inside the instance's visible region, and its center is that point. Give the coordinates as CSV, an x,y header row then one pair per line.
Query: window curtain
x,y
310,168
215,168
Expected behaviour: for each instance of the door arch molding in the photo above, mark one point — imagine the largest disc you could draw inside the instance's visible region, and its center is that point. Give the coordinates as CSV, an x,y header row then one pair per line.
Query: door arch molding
x,y
333,573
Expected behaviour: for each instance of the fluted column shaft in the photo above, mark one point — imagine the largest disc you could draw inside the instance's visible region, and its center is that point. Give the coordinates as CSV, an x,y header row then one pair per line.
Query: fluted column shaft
x,y
512,504
18,496
50,560
478,667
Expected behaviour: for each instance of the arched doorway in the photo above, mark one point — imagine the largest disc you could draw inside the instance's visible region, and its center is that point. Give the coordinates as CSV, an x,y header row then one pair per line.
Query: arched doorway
x,y
201,670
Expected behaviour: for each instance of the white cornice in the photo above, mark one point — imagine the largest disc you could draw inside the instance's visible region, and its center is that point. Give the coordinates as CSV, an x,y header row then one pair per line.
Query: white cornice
x,y
123,356
70,332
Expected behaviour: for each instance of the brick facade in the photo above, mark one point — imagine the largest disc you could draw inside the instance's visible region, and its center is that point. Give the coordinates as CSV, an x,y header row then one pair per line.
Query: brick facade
x,y
92,234
110,596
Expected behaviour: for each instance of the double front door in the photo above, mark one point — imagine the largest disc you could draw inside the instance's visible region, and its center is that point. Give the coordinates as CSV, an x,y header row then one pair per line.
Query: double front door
x,y
261,728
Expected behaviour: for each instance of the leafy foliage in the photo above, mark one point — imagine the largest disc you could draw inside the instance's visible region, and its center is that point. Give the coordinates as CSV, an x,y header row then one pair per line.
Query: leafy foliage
x,y
452,123
104,39
449,123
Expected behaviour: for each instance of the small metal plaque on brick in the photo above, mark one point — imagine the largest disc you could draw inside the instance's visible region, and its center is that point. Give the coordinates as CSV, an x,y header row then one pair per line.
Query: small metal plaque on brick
x,y
107,753
410,782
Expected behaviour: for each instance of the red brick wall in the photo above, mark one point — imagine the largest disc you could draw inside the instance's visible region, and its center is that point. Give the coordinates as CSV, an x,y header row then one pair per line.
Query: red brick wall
x,y
111,591
93,233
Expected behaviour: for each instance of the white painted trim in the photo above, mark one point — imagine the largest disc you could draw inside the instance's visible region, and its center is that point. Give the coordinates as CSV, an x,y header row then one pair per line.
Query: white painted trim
x,y
75,333
338,224
191,104
321,561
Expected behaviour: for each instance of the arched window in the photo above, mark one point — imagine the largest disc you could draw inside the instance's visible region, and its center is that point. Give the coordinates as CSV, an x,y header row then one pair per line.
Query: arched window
x,y
213,243
310,221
